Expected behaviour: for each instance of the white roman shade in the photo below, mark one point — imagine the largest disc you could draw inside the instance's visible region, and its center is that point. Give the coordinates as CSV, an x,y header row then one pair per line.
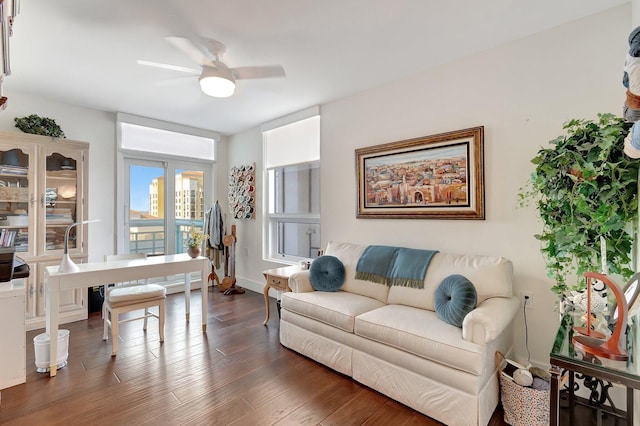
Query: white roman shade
x,y
146,139
159,137
294,143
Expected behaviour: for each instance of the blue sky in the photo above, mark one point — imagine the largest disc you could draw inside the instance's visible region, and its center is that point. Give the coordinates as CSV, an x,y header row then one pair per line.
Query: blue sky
x,y
140,178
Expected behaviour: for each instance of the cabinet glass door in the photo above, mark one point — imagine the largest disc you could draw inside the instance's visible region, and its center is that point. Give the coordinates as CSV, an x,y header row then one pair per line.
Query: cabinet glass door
x,y
16,198
61,200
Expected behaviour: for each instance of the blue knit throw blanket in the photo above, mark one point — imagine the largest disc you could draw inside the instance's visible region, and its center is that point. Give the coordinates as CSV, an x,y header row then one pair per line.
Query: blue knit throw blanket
x,y
394,265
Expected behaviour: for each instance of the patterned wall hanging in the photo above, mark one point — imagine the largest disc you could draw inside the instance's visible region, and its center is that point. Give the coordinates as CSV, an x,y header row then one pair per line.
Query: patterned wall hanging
x,y
242,189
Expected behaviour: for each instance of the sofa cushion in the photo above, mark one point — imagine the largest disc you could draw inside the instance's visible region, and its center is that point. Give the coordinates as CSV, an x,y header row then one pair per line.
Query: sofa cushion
x,y
349,254
455,298
326,273
421,333
491,276
338,309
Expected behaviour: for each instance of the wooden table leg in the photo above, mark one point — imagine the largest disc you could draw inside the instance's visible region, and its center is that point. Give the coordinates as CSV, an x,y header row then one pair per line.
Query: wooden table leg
x,y
572,397
629,406
266,302
556,374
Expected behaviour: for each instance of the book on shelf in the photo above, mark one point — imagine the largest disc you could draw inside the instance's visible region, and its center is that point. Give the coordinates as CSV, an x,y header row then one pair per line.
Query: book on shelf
x,y
7,237
13,170
58,216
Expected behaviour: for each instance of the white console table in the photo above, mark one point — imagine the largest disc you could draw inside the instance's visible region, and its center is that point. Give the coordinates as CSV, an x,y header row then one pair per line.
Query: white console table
x,y
98,273
12,334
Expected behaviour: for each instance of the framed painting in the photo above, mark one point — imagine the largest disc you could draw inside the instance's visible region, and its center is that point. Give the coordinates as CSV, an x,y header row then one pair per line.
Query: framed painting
x,y
432,177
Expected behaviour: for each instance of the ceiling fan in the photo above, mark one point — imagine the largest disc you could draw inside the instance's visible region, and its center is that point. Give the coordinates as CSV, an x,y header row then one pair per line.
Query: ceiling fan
x,y
216,79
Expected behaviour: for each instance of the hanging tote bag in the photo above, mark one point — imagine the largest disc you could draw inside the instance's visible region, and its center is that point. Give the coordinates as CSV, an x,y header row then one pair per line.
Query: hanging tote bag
x,y
522,405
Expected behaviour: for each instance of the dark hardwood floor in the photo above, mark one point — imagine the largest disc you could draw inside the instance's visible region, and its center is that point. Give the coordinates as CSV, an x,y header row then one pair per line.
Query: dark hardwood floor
x,y
237,373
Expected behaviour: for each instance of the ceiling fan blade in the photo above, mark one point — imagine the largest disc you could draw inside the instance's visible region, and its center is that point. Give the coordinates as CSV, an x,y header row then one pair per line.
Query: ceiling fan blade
x,y
175,81
197,53
270,71
169,67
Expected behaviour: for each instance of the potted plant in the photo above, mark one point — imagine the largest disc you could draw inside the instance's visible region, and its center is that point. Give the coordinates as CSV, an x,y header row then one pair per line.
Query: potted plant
x,y
194,241
39,126
585,190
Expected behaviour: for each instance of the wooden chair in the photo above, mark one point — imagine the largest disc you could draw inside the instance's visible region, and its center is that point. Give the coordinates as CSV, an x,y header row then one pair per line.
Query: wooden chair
x,y
127,297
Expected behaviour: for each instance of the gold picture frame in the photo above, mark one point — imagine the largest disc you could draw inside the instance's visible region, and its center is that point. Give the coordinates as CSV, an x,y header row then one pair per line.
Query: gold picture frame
x,y
432,177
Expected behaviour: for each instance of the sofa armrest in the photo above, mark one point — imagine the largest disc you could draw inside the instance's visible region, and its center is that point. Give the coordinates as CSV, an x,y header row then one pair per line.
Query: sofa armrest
x,y
489,319
300,283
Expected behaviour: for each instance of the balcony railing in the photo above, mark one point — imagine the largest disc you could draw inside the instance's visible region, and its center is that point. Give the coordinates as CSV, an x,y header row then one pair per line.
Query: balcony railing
x,y
148,235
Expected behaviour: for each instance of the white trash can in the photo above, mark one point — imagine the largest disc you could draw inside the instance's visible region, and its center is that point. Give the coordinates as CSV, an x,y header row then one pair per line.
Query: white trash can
x,y
42,345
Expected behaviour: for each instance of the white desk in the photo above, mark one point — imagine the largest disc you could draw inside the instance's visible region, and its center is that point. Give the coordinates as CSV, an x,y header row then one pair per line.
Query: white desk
x,y
97,273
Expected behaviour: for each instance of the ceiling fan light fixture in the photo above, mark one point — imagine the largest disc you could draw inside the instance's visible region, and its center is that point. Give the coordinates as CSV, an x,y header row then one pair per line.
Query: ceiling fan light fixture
x,y
217,83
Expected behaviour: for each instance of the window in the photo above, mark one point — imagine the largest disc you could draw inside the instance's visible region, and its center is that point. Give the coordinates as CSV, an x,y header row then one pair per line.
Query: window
x,y
150,216
165,181
292,191
295,211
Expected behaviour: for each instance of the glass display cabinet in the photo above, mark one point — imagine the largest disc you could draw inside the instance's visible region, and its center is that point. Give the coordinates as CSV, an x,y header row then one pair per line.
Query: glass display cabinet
x,y
43,189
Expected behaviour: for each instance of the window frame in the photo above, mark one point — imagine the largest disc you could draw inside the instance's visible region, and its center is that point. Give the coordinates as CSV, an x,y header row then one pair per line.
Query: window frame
x,y
273,231
292,140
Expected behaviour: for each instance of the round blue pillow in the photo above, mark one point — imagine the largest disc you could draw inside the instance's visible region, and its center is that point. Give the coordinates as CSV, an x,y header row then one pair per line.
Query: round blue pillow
x,y
326,273
455,298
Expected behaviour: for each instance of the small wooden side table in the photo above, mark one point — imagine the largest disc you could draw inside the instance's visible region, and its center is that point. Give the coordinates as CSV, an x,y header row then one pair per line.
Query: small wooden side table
x,y
278,279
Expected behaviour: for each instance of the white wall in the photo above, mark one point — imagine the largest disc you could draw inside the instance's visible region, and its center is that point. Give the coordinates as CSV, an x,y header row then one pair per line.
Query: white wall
x,y
521,93
95,127
246,148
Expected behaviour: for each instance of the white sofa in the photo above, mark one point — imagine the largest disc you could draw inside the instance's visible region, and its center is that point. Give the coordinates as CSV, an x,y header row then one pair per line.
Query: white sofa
x,y
392,340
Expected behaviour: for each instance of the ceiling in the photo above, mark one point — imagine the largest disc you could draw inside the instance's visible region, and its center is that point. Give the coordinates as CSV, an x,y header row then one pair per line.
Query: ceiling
x,y
84,52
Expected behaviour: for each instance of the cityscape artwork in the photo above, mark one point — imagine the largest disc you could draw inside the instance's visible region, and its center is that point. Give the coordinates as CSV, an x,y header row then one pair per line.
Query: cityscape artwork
x,y
439,176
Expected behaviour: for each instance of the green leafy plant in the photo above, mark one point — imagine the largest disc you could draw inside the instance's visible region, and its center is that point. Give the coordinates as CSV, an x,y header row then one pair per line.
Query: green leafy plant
x,y
584,188
39,126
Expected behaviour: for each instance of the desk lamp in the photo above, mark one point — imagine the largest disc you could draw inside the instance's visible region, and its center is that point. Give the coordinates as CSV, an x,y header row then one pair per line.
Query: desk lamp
x,y
67,265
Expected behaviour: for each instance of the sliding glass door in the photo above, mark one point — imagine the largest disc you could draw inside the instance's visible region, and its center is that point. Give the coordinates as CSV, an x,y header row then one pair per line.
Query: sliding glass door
x,y
165,184
145,213
189,204
165,199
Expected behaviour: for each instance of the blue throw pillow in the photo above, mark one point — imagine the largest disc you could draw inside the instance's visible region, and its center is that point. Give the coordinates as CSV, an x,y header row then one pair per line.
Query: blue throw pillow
x,y
326,273
455,298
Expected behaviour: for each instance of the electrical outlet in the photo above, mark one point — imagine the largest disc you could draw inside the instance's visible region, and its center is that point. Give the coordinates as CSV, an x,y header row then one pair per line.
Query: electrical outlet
x,y
527,299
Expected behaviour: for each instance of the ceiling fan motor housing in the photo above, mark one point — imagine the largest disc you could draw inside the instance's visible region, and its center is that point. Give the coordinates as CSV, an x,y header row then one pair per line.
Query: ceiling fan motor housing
x,y
217,82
